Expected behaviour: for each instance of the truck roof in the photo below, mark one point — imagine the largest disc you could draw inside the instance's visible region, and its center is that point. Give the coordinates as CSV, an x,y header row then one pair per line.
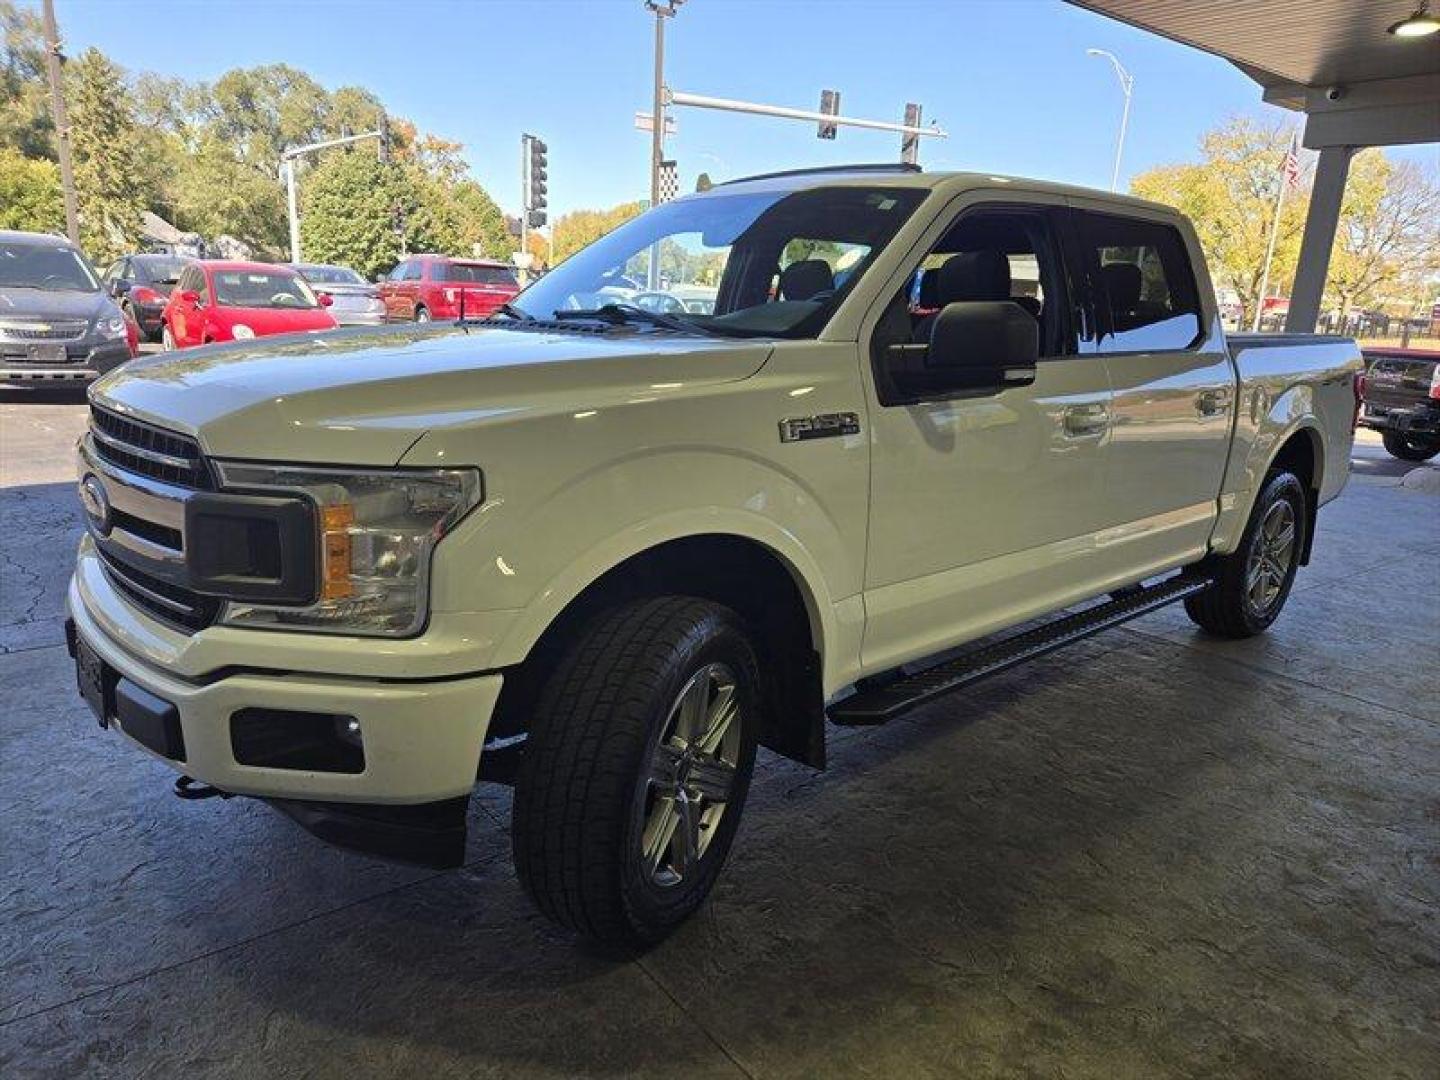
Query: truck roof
x,y
894,175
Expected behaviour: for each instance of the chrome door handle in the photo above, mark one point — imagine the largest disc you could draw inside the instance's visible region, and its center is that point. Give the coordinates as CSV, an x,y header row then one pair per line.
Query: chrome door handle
x,y
1089,419
1213,402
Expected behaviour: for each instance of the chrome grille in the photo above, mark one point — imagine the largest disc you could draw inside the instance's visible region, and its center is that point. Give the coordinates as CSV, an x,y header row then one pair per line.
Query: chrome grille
x,y
148,450
170,604
60,330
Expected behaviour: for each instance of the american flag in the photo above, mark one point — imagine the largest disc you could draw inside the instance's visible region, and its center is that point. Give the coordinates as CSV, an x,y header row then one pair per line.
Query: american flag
x,y
1291,166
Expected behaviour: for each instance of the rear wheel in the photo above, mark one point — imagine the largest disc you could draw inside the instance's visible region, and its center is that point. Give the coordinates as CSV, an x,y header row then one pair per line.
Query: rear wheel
x,y
1408,447
636,769
1253,583
422,314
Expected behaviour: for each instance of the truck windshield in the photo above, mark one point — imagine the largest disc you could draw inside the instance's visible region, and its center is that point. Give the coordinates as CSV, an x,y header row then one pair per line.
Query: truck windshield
x,y
764,264
44,266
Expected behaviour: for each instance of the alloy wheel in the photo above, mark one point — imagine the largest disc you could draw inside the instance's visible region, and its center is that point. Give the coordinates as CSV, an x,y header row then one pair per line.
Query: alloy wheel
x,y
1272,555
691,776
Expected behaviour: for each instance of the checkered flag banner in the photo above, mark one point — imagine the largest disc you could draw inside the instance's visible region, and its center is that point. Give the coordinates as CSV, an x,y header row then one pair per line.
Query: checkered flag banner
x,y
669,181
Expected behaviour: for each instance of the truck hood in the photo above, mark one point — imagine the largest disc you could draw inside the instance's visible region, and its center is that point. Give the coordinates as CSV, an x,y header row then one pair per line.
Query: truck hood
x,y
363,396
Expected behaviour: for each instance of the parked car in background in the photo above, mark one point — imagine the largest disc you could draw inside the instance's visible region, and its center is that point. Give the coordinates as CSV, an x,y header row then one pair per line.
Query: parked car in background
x,y
233,301
426,287
56,322
141,285
1401,392
357,301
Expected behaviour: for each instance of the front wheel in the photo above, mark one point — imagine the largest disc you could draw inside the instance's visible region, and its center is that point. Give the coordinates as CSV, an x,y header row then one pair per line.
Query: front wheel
x,y
1408,448
422,314
636,769
1252,583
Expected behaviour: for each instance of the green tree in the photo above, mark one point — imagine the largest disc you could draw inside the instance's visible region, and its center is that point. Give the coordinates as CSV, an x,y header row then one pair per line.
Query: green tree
x,y
29,193
1388,239
24,109
214,194
580,228
107,173
1230,197
352,203
481,222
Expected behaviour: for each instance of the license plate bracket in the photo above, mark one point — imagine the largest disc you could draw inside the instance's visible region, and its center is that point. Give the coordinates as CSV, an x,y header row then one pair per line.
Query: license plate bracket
x,y
47,354
96,680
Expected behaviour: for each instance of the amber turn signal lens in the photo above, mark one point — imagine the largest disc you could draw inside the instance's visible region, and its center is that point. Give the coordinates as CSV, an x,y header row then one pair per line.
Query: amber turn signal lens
x,y
335,522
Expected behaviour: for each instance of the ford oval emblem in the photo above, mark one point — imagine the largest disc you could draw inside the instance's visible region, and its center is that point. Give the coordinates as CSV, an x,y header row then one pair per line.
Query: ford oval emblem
x,y
96,503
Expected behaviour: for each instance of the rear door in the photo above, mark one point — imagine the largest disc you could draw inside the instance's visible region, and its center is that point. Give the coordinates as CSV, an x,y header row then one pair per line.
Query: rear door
x,y
1174,387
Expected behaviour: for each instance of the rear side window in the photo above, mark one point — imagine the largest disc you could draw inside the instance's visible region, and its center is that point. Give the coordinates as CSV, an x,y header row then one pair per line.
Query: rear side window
x,y
1145,291
473,274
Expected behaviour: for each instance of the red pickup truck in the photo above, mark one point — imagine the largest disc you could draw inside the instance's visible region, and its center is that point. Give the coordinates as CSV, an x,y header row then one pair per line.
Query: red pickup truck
x,y
425,287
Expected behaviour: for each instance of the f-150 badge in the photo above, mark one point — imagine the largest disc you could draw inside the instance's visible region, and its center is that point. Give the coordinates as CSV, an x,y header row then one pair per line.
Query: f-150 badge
x,y
823,426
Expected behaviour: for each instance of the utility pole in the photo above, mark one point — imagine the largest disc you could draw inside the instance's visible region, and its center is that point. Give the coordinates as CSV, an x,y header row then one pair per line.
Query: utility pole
x,y
1127,84
62,126
663,9
287,166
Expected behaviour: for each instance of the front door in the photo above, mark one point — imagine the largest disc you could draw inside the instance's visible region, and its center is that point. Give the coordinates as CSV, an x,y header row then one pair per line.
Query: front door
x,y
1174,384
983,509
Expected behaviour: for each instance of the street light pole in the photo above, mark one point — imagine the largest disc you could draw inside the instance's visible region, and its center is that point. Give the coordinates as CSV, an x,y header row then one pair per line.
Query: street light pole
x,y
663,9
287,163
62,125
1127,84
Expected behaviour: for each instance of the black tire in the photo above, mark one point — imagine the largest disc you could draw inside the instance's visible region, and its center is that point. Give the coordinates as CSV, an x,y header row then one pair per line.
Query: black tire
x,y
1408,447
1229,608
585,793
167,339
422,314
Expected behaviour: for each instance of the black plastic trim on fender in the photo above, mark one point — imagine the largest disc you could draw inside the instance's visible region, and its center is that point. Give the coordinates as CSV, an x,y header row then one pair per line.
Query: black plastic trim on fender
x,y
876,705
425,834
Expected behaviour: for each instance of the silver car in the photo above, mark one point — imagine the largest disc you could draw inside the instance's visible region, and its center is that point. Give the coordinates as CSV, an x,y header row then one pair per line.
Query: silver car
x,y
356,301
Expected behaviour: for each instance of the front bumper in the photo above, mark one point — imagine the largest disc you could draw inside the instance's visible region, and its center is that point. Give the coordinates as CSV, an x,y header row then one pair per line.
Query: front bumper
x,y
83,364
1421,420
359,318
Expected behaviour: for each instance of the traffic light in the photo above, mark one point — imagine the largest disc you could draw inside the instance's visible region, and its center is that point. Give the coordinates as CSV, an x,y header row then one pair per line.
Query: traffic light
x,y
536,200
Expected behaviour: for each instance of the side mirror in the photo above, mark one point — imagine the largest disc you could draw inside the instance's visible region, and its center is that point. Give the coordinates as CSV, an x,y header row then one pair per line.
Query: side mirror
x,y
190,296
983,345
119,288
325,299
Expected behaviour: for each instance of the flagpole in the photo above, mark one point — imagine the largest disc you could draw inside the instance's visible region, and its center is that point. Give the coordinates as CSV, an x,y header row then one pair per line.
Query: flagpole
x,y
1270,246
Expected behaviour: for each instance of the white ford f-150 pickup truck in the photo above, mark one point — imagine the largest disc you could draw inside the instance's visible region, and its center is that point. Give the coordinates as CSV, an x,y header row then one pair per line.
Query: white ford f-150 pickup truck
x,y
603,543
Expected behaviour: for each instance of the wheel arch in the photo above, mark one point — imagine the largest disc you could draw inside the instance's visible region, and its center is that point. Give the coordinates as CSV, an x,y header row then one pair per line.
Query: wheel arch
x,y
777,598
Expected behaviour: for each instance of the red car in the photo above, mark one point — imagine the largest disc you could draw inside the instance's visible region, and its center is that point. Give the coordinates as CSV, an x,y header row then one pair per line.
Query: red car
x,y
234,301
426,287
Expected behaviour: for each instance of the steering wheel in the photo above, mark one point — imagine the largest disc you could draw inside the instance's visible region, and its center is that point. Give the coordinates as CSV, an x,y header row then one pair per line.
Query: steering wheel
x,y
282,299
60,280
662,302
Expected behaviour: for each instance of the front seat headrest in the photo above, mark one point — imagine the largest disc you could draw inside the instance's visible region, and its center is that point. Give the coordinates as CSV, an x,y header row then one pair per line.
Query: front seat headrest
x,y
974,275
1122,282
806,279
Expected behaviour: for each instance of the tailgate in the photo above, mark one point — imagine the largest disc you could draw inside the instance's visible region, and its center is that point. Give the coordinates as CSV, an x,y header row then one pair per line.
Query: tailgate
x,y
1398,382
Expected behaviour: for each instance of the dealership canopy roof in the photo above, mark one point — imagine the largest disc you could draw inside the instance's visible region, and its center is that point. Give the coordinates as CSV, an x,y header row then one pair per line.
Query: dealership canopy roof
x,y
1334,60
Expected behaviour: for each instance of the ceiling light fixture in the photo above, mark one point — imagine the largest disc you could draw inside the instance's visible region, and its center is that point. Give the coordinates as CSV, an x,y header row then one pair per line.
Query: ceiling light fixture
x,y
1420,23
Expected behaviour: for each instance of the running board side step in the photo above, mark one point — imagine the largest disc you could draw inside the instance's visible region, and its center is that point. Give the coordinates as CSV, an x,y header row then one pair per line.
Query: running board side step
x,y
878,704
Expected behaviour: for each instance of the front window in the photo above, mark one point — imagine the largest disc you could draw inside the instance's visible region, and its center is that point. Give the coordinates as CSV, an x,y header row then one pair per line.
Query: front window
x,y
160,271
331,275
772,263
44,266
262,289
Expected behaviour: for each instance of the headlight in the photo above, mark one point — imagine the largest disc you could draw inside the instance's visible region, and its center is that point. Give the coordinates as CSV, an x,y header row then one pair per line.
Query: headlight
x,y
241,332
111,327
376,533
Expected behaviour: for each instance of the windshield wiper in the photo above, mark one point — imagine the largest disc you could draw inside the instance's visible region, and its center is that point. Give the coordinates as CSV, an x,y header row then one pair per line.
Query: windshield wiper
x,y
514,312
620,314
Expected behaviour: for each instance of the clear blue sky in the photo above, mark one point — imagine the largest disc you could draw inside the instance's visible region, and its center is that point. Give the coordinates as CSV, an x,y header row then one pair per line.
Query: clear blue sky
x,y
1009,79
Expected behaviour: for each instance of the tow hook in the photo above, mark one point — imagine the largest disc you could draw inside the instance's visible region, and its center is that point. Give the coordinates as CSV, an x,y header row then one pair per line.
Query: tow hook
x,y
187,787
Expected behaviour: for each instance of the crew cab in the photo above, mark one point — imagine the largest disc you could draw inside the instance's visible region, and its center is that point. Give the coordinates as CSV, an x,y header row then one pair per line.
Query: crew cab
x,y
602,552
1401,392
236,301
426,287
